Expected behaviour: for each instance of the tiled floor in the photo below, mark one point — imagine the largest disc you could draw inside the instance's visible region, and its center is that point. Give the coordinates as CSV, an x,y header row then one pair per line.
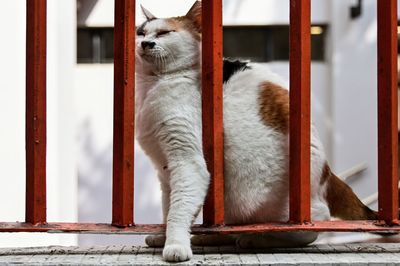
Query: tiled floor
x,y
354,254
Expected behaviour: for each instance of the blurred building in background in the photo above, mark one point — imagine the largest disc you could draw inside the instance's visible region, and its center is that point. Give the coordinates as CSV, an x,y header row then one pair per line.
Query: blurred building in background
x,y
80,99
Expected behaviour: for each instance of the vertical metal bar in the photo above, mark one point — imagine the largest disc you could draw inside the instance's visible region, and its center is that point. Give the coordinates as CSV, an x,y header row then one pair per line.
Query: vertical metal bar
x,y
300,64
387,111
213,143
124,112
35,131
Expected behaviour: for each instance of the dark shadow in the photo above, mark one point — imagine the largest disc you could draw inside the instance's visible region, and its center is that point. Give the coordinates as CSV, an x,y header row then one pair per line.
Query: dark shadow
x,y
84,8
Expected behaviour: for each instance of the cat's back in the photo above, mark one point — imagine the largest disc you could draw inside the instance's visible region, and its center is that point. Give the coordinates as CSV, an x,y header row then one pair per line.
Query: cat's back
x,y
256,104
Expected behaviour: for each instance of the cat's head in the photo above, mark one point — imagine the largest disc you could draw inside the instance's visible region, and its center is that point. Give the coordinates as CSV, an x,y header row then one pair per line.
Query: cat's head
x,y
169,44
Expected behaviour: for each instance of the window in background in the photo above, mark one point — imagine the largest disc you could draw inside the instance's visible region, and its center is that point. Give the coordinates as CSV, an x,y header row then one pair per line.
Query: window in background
x,y
95,45
268,43
255,43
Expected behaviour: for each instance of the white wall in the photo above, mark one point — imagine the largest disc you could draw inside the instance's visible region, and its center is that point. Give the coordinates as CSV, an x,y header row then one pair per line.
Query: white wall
x,y
12,112
61,185
354,92
243,12
100,13
94,108
264,12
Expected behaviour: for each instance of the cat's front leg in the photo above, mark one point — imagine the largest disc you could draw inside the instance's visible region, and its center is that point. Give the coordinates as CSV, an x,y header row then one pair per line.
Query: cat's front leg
x,y
189,182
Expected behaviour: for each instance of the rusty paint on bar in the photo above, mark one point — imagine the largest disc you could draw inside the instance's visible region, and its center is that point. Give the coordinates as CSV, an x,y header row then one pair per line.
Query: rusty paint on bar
x,y
35,135
94,228
300,64
213,142
387,111
124,112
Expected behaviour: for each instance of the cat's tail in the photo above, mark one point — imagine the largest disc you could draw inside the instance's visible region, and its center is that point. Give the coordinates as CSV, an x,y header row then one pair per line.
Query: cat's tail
x,y
343,203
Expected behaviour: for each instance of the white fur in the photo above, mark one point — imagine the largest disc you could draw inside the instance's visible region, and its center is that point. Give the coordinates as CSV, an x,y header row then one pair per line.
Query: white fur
x,y
168,124
256,156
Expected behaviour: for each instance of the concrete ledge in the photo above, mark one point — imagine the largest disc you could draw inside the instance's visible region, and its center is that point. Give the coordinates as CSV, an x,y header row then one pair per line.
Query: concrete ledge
x,y
349,254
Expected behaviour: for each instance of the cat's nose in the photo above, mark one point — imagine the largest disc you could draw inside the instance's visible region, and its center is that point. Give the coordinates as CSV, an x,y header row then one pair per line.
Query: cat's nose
x,y
148,44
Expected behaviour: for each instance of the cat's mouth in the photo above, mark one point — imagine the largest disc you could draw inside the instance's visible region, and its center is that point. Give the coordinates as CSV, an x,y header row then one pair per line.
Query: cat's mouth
x,y
153,54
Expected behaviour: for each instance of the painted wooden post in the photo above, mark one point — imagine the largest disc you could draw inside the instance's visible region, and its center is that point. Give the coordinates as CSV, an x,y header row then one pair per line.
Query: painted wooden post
x,y
124,112
300,65
387,111
213,143
35,135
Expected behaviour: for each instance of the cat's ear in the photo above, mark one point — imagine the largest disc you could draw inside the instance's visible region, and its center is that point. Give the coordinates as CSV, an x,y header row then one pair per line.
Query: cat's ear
x,y
147,14
194,14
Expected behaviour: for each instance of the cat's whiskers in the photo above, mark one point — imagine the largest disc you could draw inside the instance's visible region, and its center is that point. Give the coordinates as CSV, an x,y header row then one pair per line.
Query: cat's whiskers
x,y
172,56
160,61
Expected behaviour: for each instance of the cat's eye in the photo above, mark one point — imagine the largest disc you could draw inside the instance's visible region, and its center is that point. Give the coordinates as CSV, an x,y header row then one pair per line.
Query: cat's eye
x,y
140,33
163,32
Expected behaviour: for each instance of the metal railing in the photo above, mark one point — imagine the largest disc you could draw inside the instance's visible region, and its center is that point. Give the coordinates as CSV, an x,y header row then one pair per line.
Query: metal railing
x,y
123,150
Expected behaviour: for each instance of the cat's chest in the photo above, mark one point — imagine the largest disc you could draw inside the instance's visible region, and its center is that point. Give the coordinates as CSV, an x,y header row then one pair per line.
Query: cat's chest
x,y
164,104
165,100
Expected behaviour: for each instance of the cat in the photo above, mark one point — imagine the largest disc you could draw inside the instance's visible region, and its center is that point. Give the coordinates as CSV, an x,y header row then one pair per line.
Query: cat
x,y
256,117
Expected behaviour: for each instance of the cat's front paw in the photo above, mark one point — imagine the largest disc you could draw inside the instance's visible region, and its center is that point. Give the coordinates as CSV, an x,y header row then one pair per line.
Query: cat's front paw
x,y
155,241
177,253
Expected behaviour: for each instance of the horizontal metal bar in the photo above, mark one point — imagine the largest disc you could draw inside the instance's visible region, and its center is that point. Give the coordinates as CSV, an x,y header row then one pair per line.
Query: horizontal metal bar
x,y
95,228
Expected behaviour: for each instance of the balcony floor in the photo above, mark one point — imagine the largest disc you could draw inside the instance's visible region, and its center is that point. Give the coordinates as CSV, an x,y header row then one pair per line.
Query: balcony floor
x,y
360,254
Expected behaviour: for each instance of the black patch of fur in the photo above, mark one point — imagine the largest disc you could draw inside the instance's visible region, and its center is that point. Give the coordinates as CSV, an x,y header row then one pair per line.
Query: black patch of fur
x,y
140,29
231,67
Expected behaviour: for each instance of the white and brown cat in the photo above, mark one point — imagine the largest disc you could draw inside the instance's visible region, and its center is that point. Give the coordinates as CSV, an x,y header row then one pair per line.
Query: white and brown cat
x,y
256,114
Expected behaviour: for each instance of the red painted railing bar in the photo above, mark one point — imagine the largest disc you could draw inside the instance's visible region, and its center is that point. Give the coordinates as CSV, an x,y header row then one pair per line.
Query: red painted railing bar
x,y
124,112
138,229
387,111
35,135
213,142
300,64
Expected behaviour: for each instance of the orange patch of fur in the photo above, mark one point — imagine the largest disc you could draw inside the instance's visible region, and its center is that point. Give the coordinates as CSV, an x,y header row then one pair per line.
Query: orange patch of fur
x,y
342,201
274,101
184,23
191,22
